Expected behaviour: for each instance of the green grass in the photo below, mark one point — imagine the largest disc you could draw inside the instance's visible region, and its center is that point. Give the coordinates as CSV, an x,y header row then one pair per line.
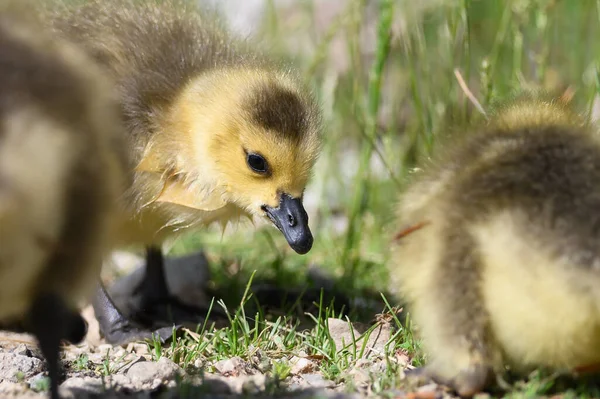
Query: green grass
x,y
384,111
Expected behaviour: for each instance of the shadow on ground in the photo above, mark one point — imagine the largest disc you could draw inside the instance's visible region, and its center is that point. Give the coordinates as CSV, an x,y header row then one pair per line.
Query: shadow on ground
x,y
188,277
209,388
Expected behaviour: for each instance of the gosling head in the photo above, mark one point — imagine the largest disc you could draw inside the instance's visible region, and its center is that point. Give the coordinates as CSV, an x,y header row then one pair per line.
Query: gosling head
x,y
257,133
267,155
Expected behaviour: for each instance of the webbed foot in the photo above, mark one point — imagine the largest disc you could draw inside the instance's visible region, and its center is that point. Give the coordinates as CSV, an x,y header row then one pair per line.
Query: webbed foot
x,y
153,310
118,329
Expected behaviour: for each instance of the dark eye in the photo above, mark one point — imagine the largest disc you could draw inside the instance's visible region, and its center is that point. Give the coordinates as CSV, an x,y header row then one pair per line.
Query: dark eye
x,y
257,163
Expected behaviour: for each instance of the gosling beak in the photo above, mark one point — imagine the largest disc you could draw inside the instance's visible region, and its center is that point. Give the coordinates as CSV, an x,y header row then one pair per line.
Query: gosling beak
x,y
291,219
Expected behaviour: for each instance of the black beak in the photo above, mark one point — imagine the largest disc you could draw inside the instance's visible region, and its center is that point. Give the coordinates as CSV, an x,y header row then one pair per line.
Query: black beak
x,y
291,219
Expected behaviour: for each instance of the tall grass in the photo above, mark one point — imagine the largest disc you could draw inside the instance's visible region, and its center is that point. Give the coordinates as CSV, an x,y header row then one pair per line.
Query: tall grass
x,y
360,197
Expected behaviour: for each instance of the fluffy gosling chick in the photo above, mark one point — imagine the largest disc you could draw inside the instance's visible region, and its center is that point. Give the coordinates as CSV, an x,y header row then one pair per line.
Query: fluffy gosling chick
x,y
502,266
217,131
59,181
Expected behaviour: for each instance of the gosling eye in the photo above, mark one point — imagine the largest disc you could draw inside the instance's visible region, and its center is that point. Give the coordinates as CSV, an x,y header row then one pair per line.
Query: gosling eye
x,y
257,163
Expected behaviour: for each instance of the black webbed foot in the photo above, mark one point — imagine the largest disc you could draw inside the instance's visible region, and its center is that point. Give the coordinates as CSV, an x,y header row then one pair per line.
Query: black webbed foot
x,y
152,303
118,329
152,309
51,321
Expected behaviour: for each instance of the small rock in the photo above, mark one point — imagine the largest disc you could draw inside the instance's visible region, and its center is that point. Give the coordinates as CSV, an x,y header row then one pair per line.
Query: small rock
x,y
76,386
317,381
14,367
145,373
231,367
379,338
301,365
343,333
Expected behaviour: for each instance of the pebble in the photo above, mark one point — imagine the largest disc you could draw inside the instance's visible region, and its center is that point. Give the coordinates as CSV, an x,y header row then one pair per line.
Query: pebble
x,y
145,373
231,367
15,367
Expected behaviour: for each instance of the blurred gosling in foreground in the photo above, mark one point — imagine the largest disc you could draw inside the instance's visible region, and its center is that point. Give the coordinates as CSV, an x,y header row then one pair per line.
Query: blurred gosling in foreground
x,y
59,181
